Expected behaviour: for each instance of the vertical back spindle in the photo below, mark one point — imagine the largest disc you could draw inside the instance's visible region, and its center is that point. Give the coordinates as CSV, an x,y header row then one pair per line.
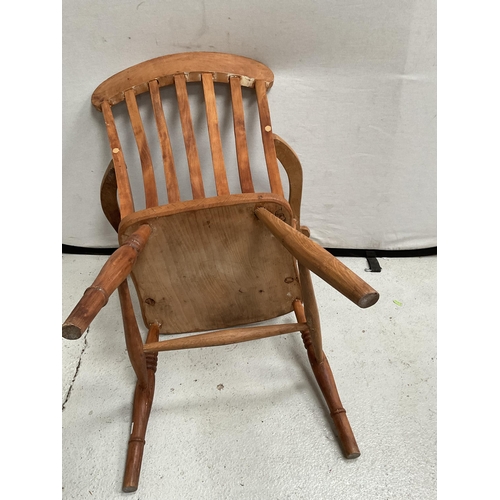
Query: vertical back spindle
x,y
189,139
268,139
240,136
125,199
166,148
148,174
214,135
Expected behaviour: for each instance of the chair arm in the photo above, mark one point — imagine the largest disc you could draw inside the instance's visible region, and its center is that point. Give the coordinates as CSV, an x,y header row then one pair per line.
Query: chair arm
x,y
319,261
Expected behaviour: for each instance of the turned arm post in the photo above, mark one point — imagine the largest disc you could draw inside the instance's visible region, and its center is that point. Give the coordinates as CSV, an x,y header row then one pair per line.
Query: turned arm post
x,y
116,269
319,261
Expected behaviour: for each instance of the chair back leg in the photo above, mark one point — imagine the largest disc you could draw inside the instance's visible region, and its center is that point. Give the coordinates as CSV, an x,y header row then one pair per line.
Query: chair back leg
x,y
326,382
143,400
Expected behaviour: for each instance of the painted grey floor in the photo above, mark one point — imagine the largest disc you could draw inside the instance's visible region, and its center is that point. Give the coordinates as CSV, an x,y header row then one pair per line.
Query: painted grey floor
x,y
246,421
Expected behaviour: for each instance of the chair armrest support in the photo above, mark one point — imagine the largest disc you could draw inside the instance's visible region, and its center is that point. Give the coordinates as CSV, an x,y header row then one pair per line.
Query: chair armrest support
x,y
319,261
109,198
291,163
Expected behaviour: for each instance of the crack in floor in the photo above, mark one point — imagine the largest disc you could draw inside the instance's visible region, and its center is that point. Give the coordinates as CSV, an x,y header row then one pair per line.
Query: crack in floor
x,y
85,345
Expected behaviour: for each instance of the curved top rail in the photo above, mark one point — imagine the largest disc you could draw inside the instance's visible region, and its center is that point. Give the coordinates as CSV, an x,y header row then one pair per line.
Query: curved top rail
x,y
192,64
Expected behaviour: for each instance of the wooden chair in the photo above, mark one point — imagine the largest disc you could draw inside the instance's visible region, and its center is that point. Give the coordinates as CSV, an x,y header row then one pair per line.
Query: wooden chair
x,y
215,263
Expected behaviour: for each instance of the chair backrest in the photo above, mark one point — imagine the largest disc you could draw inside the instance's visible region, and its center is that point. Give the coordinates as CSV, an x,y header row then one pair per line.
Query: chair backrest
x,y
178,70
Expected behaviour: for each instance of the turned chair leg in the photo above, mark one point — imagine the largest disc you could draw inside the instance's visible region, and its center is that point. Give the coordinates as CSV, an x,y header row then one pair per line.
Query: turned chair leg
x,y
116,269
143,400
324,377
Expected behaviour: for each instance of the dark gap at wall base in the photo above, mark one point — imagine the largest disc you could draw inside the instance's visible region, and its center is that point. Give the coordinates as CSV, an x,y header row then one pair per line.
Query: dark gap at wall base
x,y
348,252
71,249
338,252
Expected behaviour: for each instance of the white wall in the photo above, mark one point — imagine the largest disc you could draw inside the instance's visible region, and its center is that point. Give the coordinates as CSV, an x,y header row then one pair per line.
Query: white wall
x,y
354,95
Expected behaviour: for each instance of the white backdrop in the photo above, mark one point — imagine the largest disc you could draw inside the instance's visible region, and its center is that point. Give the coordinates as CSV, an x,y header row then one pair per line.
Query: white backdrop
x,y
354,95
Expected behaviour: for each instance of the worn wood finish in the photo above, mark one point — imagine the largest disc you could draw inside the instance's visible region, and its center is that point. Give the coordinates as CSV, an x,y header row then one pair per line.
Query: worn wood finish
x,y
203,250
258,199
189,138
191,64
125,199
240,136
109,197
208,263
267,138
116,269
291,163
324,377
148,174
319,261
224,337
143,400
133,339
221,184
165,145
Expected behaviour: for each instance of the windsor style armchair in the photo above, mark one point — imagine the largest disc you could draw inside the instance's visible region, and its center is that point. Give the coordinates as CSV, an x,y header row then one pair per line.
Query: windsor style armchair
x,y
208,264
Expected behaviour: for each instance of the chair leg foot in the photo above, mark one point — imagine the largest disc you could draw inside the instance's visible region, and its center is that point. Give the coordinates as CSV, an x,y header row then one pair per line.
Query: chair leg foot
x,y
133,467
133,464
326,382
143,399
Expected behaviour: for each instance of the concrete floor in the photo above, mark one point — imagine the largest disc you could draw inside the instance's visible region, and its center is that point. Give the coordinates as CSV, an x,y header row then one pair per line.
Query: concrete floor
x,y
247,421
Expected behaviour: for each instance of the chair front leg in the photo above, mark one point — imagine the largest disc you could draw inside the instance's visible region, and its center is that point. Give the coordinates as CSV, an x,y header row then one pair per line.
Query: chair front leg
x,y
319,261
116,269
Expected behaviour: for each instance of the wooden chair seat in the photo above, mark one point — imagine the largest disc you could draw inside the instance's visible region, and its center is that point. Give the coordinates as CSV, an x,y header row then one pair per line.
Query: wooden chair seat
x,y
207,264
211,264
